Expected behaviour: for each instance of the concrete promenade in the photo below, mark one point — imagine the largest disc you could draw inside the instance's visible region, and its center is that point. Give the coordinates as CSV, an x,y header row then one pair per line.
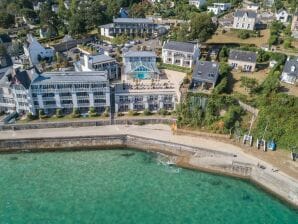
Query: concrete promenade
x,y
271,178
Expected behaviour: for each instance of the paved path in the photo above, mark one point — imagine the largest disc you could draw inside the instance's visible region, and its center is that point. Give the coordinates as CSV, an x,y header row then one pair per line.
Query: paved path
x,y
155,131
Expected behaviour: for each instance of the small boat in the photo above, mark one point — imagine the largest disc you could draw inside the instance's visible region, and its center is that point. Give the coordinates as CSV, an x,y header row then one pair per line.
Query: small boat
x,y
271,145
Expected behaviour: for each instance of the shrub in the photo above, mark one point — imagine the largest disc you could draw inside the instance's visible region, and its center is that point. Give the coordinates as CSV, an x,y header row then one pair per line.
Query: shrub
x,y
163,112
30,117
244,34
133,113
59,113
120,114
147,112
41,114
186,80
75,113
92,112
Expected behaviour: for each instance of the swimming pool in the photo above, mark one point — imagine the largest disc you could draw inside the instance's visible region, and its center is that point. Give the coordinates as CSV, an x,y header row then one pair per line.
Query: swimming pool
x,y
142,76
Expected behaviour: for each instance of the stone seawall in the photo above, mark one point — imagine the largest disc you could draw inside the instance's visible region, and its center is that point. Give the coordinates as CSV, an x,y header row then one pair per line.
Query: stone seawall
x,y
192,157
85,123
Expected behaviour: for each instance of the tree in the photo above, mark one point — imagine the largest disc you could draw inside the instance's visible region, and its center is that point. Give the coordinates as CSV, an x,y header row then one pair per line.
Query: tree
x,y
140,10
201,26
249,84
6,20
49,19
77,25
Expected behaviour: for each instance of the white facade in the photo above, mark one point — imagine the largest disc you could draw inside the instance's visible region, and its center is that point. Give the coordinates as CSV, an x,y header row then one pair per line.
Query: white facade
x,y
244,20
34,50
100,62
197,3
180,53
218,8
215,10
146,95
282,16
60,90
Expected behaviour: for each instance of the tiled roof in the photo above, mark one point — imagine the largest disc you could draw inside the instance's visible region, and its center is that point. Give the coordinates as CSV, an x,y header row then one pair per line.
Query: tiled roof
x,y
239,55
179,46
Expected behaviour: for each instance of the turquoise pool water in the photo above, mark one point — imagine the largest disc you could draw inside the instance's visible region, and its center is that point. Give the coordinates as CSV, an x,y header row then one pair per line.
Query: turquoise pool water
x,y
142,76
123,186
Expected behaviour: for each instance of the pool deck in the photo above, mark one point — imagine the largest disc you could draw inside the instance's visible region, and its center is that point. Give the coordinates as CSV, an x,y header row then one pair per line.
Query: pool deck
x,y
164,133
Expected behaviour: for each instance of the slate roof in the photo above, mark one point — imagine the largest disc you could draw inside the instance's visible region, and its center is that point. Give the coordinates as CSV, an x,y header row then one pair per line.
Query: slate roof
x,y
239,55
5,38
250,13
100,58
132,20
291,67
206,71
140,54
179,46
24,78
70,77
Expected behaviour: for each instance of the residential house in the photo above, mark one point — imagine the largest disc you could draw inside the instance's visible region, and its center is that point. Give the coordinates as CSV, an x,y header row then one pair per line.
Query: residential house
x,y
68,90
218,8
215,10
294,26
282,15
205,74
129,26
183,54
35,52
140,65
197,3
290,71
222,6
14,91
100,62
243,60
245,19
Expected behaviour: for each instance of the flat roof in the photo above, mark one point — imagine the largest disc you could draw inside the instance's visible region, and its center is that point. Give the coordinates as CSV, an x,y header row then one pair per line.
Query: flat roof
x,y
70,77
140,54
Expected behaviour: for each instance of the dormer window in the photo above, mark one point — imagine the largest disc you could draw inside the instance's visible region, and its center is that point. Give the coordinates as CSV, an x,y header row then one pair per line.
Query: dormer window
x,y
293,68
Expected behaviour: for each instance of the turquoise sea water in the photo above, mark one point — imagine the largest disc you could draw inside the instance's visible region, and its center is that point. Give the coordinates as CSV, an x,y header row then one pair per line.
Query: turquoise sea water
x,y
123,186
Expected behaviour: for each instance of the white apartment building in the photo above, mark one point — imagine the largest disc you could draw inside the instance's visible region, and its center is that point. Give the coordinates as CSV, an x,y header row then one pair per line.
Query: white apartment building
x,y
245,19
68,90
180,53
